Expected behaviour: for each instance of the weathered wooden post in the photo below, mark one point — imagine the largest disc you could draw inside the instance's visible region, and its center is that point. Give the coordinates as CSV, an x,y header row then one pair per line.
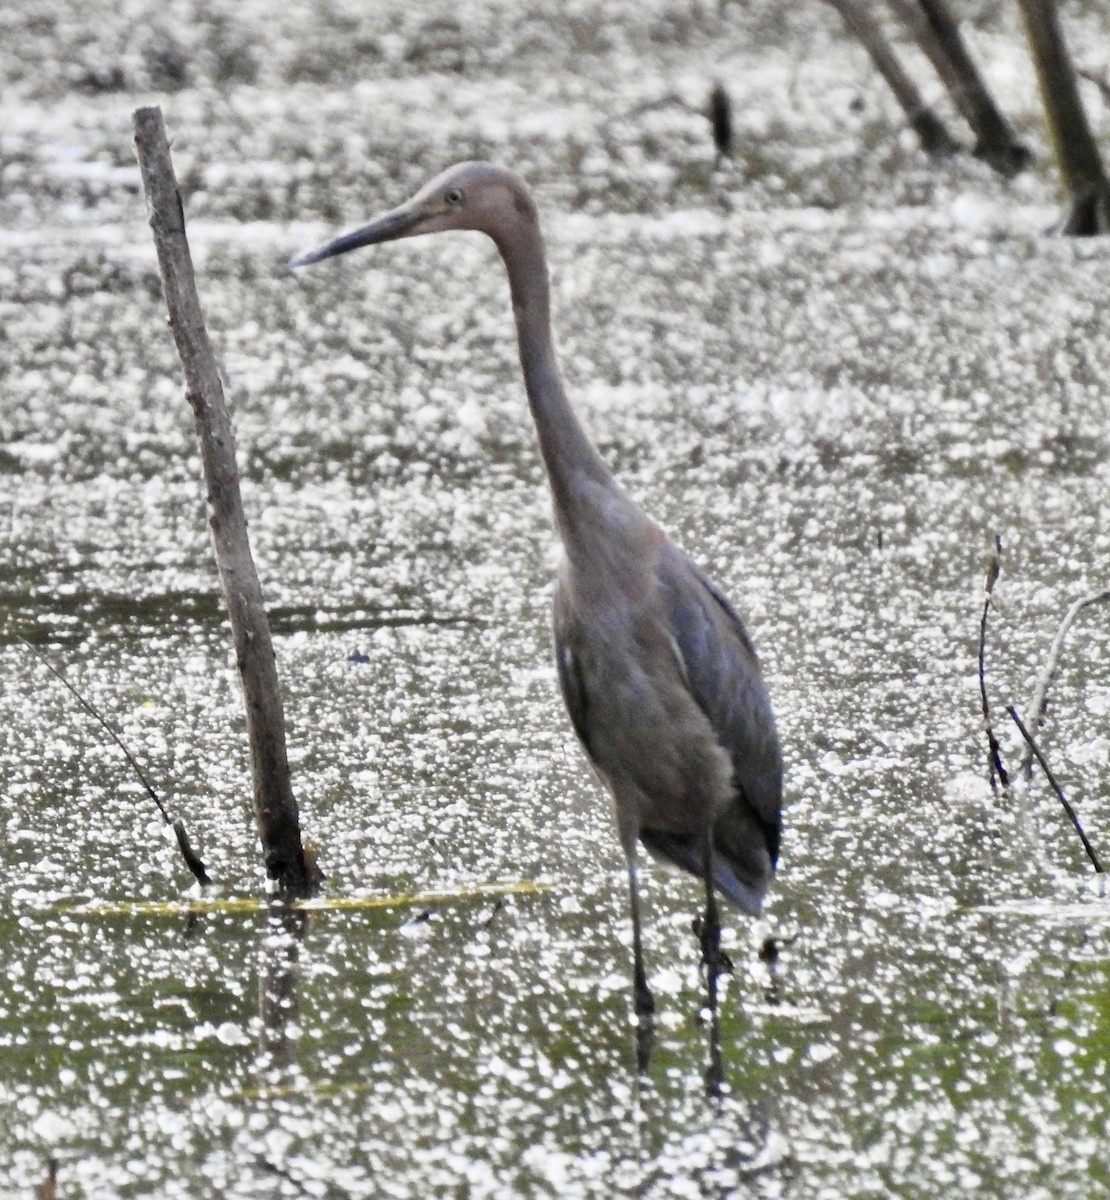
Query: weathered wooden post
x,y
275,807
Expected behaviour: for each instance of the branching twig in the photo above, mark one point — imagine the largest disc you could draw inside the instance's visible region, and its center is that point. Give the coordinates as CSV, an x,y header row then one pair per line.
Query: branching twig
x,y
192,861
1100,80
1039,703
669,100
1055,787
997,770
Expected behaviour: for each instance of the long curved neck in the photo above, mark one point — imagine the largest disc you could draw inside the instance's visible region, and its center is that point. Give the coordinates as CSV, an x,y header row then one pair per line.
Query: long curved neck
x,y
574,467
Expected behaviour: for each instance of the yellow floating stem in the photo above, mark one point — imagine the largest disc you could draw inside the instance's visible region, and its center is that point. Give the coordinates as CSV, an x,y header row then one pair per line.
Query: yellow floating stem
x,y
253,904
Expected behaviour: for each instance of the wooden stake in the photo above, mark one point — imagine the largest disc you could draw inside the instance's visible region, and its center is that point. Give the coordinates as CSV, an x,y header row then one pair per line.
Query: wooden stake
x,y
275,808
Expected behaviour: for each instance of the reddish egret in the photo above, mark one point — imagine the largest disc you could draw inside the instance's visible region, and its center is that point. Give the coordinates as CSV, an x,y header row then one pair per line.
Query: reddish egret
x,y
660,679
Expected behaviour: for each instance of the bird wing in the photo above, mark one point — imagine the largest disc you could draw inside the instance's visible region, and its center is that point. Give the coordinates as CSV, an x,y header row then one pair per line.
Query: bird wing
x,y
721,670
570,681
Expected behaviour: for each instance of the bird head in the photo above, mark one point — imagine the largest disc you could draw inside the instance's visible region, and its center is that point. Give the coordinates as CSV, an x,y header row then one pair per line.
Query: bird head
x,y
470,195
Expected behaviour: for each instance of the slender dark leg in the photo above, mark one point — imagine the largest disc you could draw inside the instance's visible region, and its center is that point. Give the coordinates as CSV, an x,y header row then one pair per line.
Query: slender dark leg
x,y
711,929
645,1003
712,957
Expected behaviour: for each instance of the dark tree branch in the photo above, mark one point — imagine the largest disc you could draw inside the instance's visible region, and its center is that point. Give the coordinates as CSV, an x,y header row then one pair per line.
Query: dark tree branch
x,y
1075,148
275,807
931,132
938,34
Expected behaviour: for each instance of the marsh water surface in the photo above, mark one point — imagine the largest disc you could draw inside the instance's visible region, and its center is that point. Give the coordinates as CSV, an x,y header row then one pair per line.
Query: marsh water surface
x,y
831,371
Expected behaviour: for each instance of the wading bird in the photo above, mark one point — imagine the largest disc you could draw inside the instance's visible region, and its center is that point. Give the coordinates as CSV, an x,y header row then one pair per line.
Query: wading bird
x,y
660,679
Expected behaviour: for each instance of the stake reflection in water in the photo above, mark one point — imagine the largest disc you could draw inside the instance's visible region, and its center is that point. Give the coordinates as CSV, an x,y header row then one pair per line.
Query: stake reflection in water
x,y
660,679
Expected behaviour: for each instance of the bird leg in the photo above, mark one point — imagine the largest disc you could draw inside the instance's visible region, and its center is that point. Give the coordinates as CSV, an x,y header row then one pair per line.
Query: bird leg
x,y
715,1068
645,1002
710,932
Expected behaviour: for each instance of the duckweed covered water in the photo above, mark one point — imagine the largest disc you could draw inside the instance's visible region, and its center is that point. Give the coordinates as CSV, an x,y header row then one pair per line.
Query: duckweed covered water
x,y
832,372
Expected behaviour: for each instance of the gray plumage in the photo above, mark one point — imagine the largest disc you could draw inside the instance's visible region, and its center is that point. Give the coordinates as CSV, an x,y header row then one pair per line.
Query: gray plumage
x,y
660,679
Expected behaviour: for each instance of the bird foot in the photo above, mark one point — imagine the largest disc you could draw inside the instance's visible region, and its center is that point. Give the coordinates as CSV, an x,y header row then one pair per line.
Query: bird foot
x,y
712,956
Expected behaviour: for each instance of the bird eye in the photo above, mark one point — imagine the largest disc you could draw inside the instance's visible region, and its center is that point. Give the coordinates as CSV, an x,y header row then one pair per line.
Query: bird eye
x,y
454,197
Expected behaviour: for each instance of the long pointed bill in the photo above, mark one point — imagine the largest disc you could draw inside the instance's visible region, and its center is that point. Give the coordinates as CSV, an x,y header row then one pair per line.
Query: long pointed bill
x,y
398,223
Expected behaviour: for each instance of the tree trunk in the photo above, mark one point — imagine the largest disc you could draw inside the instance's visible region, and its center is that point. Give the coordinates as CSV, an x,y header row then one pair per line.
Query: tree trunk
x,y
931,132
938,34
275,808
1073,144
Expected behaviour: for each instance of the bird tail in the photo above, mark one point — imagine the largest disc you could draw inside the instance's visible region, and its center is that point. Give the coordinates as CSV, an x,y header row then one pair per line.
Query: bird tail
x,y
747,893
744,853
742,866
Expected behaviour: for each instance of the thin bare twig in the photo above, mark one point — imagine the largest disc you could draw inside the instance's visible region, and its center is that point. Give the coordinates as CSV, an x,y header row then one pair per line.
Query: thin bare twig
x,y
669,100
1100,80
997,770
192,861
1039,702
1055,787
